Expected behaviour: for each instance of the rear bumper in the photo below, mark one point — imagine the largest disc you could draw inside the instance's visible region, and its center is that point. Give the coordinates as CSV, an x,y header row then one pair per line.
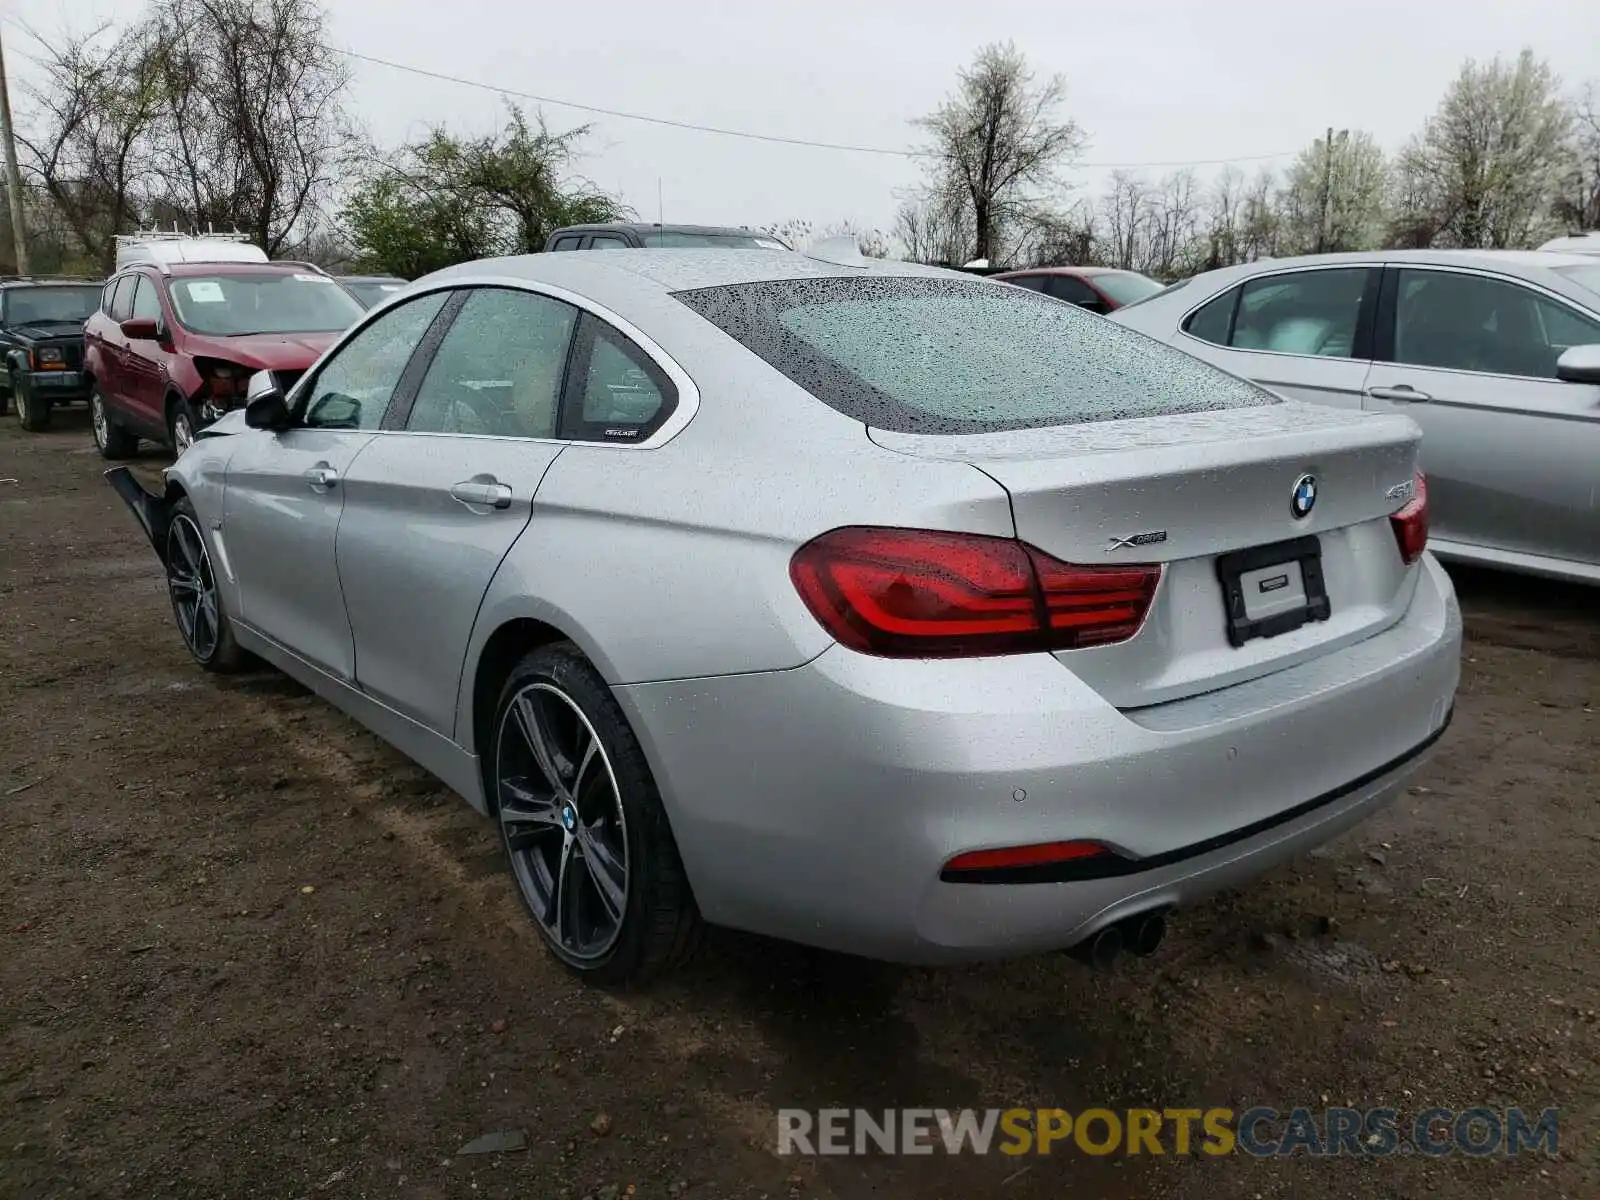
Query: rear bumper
x,y
819,804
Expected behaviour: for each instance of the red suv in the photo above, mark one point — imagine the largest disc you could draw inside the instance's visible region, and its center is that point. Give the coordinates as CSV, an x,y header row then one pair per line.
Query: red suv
x,y
172,346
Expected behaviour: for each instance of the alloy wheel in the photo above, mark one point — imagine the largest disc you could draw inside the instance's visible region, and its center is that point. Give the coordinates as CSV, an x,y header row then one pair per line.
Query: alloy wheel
x,y
193,587
562,817
97,418
182,433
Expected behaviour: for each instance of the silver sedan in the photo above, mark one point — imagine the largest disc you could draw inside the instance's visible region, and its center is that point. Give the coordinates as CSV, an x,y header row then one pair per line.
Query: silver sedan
x,y
1495,354
866,605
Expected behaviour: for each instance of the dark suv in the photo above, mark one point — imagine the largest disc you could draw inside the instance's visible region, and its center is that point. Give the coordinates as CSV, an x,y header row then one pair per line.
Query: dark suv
x,y
640,236
172,346
41,337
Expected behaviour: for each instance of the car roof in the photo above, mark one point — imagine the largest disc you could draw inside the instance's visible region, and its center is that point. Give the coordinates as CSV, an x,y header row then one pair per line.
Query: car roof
x,y
1081,271
6,284
666,271
1515,262
654,227
229,267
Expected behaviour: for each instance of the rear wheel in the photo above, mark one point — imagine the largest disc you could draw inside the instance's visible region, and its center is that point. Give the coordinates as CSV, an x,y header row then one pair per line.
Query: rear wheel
x,y
111,440
33,412
196,601
583,826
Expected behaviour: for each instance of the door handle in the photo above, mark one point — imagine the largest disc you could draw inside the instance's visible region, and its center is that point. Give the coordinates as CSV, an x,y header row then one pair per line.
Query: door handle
x,y
487,493
322,476
1401,393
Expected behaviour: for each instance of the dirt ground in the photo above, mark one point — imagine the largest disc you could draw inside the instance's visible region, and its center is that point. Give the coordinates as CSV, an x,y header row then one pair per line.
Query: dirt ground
x,y
248,950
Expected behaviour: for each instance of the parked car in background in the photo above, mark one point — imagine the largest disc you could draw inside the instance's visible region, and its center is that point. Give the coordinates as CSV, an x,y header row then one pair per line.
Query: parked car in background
x,y
871,605
1098,289
171,344
1578,243
170,246
636,236
1495,354
41,339
371,289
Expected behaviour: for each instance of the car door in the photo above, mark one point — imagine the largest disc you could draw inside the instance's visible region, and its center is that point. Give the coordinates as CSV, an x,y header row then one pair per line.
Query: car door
x,y
285,490
432,507
1305,334
144,373
114,384
1510,452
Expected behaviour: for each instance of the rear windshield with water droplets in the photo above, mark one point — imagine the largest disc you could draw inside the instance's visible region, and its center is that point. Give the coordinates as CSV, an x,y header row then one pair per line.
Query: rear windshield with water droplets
x,y
920,355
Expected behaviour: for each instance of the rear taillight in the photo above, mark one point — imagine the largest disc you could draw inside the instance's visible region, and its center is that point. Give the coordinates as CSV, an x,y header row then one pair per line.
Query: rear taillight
x,y
1010,857
1410,524
911,593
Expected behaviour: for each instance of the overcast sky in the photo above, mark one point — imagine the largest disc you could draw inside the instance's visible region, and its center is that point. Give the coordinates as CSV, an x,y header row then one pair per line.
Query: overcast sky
x,y
1150,82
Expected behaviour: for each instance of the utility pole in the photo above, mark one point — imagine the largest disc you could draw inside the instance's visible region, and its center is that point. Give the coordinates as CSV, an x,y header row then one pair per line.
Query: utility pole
x,y
19,232
1327,192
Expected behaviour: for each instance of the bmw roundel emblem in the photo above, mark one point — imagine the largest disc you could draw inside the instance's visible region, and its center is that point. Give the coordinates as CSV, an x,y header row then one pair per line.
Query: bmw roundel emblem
x,y
1304,497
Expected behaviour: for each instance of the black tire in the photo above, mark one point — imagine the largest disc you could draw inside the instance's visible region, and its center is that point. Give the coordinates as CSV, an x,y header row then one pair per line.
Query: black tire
x,y
206,631
33,412
660,925
111,439
178,413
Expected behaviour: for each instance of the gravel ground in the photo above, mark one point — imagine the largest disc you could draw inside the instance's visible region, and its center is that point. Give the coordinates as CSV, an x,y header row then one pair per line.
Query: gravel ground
x,y
248,950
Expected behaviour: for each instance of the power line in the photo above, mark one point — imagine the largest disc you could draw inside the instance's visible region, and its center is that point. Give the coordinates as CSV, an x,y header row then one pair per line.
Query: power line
x,y
723,131
751,135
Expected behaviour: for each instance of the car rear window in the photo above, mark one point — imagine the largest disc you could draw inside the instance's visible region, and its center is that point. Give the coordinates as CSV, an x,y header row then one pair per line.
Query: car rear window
x,y
952,356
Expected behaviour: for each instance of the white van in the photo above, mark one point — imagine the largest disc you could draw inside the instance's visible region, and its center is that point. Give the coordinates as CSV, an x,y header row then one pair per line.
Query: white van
x,y
158,247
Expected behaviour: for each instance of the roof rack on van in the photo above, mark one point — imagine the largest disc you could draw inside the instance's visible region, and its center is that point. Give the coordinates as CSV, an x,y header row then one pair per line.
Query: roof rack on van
x,y
162,247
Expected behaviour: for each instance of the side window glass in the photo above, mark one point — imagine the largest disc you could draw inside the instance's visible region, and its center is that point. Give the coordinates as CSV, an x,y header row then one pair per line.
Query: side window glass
x,y
145,301
623,395
1210,321
354,389
499,369
122,299
565,243
1034,283
1313,312
106,294
1474,323
1072,290
606,242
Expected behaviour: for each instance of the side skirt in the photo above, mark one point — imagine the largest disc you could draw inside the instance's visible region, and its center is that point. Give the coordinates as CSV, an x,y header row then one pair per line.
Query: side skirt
x,y
433,752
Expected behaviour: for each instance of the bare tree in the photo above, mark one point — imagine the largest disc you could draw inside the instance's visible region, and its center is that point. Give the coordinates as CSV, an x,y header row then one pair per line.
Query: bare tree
x,y
1483,170
1224,217
1125,210
85,138
997,145
255,131
934,228
1577,203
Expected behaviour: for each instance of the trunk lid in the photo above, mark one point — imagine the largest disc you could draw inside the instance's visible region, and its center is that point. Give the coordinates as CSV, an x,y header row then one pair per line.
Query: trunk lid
x,y
1187,490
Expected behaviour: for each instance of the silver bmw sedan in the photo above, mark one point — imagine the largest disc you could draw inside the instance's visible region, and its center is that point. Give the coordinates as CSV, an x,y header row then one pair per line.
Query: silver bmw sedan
x,y
867,605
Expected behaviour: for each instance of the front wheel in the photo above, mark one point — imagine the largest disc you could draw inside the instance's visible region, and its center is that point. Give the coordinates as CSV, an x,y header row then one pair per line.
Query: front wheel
x,y
583,826
181,429
33,412
110,439
196,601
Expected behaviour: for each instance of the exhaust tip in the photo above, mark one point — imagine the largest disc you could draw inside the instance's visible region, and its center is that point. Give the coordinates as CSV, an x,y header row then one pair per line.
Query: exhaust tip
x,y
1099,950
1145,933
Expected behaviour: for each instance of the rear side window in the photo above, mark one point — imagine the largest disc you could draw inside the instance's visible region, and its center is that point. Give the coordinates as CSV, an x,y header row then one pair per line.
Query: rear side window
x,y
950,356
1311,312
1212,320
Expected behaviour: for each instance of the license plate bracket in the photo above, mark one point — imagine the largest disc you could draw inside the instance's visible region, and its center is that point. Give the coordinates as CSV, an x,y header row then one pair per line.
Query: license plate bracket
x,y
1240,569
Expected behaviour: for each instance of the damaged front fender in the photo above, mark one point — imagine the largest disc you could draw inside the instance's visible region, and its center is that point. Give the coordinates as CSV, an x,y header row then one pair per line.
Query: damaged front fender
x,y
154,513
